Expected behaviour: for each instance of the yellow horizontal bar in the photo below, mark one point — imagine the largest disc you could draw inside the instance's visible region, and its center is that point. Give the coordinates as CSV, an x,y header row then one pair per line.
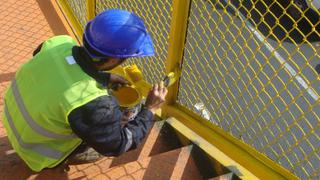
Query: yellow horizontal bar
x,y
211,150
244,155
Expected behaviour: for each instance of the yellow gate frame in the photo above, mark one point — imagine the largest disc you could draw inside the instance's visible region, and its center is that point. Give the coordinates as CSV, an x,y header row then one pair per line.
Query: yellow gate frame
x,y
243,160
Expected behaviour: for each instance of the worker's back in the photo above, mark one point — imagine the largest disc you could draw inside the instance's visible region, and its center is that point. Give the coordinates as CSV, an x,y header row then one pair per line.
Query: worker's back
x,y
45,90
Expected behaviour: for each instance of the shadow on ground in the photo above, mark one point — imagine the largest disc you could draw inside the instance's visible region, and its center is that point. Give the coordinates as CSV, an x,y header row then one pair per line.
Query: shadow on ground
x,y
4,77
52,17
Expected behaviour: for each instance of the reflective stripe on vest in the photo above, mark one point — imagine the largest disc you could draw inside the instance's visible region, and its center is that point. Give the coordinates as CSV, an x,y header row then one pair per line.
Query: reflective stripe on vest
x,y
37,128
36,147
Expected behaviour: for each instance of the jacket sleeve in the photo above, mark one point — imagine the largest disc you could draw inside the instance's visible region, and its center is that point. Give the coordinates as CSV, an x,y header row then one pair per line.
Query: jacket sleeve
x,y
97,123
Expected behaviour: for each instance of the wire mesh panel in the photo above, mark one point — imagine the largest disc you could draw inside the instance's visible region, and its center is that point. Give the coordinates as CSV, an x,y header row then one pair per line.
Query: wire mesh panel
x,y
249,67
157,17
79,10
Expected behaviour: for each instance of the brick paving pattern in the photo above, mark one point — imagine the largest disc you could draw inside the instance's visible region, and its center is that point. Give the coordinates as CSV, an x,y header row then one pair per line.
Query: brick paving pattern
x,y
22,28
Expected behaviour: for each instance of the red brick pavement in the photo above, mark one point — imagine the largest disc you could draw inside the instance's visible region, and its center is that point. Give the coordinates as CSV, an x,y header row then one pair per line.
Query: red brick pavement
x,y
24,24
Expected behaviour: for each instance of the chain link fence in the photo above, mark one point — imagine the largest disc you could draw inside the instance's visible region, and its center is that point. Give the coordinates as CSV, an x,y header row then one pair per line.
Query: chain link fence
x,y
249,67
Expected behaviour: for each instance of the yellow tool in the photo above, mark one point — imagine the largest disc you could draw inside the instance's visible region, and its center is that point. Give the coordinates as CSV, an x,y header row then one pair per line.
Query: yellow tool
x,y
133,74
169,79
172,77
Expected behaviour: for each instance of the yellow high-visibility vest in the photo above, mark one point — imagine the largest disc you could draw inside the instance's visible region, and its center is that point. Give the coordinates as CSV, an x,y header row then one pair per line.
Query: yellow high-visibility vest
x,y
38,101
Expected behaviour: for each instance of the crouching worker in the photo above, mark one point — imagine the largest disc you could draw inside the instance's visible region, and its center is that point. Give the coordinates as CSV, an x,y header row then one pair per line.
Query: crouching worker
x,y
58,109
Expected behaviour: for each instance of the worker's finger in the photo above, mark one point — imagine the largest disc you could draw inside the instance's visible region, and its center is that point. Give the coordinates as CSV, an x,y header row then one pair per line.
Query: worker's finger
x,y
161,85
125,82
164,91
155,88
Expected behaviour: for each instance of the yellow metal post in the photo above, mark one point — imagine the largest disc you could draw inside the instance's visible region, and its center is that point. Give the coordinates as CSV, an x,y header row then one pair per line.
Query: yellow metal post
x,y
90,7
176,43
63,19
71,18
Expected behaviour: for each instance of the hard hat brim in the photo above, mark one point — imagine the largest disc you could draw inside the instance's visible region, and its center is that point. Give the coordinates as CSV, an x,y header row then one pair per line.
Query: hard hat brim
x,y
146,48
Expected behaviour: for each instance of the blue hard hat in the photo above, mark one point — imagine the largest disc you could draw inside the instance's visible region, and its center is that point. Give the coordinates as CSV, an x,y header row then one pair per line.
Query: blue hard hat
x,y
117,33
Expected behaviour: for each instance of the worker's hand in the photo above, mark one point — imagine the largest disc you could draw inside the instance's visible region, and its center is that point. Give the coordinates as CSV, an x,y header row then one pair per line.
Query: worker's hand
x,y
117,81
156,97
